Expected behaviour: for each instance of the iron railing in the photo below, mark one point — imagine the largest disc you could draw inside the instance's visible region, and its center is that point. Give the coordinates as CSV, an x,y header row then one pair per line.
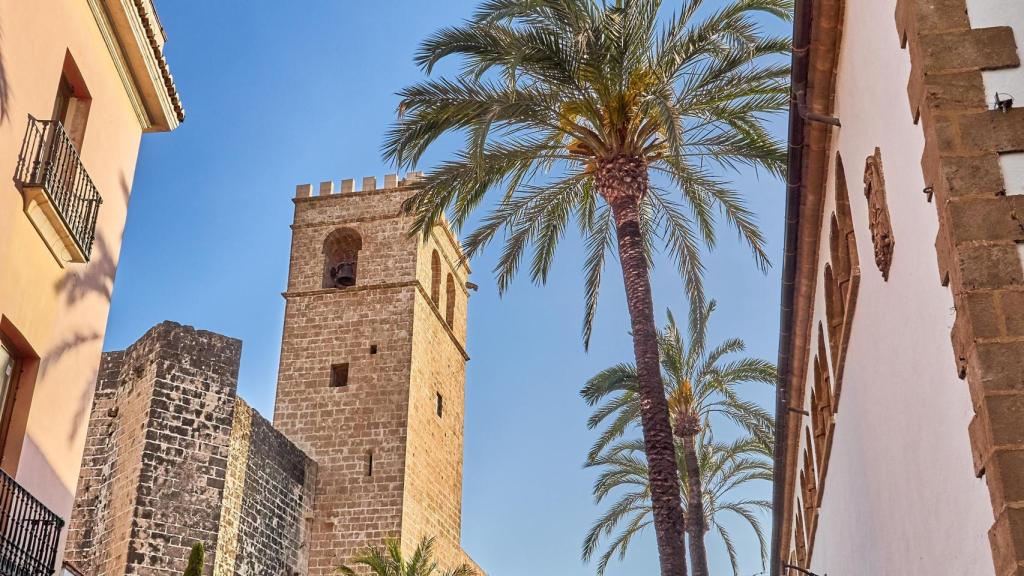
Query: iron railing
x,y
49,160
29,532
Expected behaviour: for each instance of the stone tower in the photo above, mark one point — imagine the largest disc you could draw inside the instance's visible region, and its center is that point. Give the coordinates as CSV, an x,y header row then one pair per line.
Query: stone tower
x,y
372,373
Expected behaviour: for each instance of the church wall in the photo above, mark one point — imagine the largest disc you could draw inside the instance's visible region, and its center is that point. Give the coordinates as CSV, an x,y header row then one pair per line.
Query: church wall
x,y
433,494
898,494
267,500
399,352
346,428
174,457
157,456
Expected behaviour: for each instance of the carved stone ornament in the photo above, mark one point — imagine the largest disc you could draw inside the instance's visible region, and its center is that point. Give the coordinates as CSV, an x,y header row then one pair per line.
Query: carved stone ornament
x,y
878,213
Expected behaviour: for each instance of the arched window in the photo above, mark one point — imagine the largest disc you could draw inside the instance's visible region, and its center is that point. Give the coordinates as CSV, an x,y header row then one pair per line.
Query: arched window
x,y
823,359
341,258
833,309
821,410
435,279
809,471
801,538
449,303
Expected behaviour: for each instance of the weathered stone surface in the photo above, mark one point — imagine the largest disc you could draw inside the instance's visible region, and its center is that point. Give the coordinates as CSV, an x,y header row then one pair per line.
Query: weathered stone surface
x,y
174,457
388,465
155,472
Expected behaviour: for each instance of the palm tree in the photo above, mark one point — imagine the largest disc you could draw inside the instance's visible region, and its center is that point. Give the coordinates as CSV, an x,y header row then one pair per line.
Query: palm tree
x,y
724,467
699,382
568,107
388,561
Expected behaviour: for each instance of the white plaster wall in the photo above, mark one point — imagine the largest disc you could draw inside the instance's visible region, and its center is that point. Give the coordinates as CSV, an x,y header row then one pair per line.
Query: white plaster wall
x,y
984,14
900,496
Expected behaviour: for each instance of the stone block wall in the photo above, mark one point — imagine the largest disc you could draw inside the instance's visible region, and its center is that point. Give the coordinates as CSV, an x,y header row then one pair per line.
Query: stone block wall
x,y
432,504
387,467
267,501
980,238
155,461
174,458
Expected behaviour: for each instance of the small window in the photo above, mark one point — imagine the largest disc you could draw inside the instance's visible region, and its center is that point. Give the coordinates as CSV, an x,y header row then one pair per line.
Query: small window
x,y
435,279
369,463
339,375
440,405
449,312
9,370
373,348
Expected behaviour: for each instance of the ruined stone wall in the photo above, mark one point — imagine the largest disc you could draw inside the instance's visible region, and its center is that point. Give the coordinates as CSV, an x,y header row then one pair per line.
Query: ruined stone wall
x,y
175,457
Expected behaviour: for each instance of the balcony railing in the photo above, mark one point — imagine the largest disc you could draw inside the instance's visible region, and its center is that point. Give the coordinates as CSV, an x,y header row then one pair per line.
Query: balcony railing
x,y
29,532
49,161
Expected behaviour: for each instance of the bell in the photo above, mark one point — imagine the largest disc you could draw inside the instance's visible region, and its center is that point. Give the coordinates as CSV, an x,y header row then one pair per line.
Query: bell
x,y
344,274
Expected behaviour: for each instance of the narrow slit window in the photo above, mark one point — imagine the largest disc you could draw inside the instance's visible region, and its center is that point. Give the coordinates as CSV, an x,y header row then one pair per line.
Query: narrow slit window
x,y
369,463
440,405
339,375
373,348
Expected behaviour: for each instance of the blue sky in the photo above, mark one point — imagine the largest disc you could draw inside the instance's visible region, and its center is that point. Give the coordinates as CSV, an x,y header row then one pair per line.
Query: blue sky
x,y
283,93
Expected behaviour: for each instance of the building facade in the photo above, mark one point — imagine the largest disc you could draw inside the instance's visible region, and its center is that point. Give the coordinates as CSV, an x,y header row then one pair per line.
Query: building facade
x,y
367,438
82,81
901,396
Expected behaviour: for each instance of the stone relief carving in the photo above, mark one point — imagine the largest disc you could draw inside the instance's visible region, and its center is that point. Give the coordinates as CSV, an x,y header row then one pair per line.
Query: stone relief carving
x,y
878,212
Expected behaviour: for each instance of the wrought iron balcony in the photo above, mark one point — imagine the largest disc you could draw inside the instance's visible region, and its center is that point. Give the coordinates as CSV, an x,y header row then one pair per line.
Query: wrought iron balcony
x,y
57,187
29,532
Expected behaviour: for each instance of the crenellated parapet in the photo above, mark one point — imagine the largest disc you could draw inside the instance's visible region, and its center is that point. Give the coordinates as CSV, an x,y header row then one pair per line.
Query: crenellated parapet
x,y
369,184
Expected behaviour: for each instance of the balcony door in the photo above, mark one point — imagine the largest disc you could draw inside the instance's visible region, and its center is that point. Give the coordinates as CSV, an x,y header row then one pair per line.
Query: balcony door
x,y
9,370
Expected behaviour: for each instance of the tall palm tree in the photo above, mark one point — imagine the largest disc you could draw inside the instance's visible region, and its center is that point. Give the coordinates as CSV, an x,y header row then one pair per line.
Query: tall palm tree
x,y
723,468
699,382
388,560
568,107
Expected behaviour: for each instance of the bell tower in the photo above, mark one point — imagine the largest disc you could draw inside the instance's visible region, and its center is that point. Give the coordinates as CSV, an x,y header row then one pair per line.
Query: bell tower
x,y
372,375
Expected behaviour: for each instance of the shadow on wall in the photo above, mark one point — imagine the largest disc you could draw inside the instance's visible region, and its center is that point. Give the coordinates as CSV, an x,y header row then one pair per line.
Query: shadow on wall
x,y
5,95
94,279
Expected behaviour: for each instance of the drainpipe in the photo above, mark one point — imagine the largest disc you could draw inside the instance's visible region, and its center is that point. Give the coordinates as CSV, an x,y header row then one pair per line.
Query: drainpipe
x,y
794,171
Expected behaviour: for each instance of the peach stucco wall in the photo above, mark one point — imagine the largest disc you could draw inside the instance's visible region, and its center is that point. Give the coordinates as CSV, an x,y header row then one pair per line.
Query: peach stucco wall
x,y
61,312
900,496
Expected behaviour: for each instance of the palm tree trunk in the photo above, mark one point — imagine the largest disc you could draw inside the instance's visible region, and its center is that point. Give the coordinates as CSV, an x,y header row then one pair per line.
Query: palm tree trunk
x,y
622,183
695,506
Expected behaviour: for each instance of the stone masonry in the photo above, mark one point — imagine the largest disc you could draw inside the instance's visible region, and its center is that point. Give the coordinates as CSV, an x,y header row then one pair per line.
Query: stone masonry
x,y
371,390
389,441
165,467
980,238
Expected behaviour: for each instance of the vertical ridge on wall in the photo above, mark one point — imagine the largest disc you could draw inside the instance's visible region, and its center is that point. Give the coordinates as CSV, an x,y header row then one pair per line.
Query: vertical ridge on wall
x,y
979,239
234,486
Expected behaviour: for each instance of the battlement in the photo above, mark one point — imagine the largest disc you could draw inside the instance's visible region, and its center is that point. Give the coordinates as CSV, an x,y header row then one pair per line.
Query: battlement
x,y
369,185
